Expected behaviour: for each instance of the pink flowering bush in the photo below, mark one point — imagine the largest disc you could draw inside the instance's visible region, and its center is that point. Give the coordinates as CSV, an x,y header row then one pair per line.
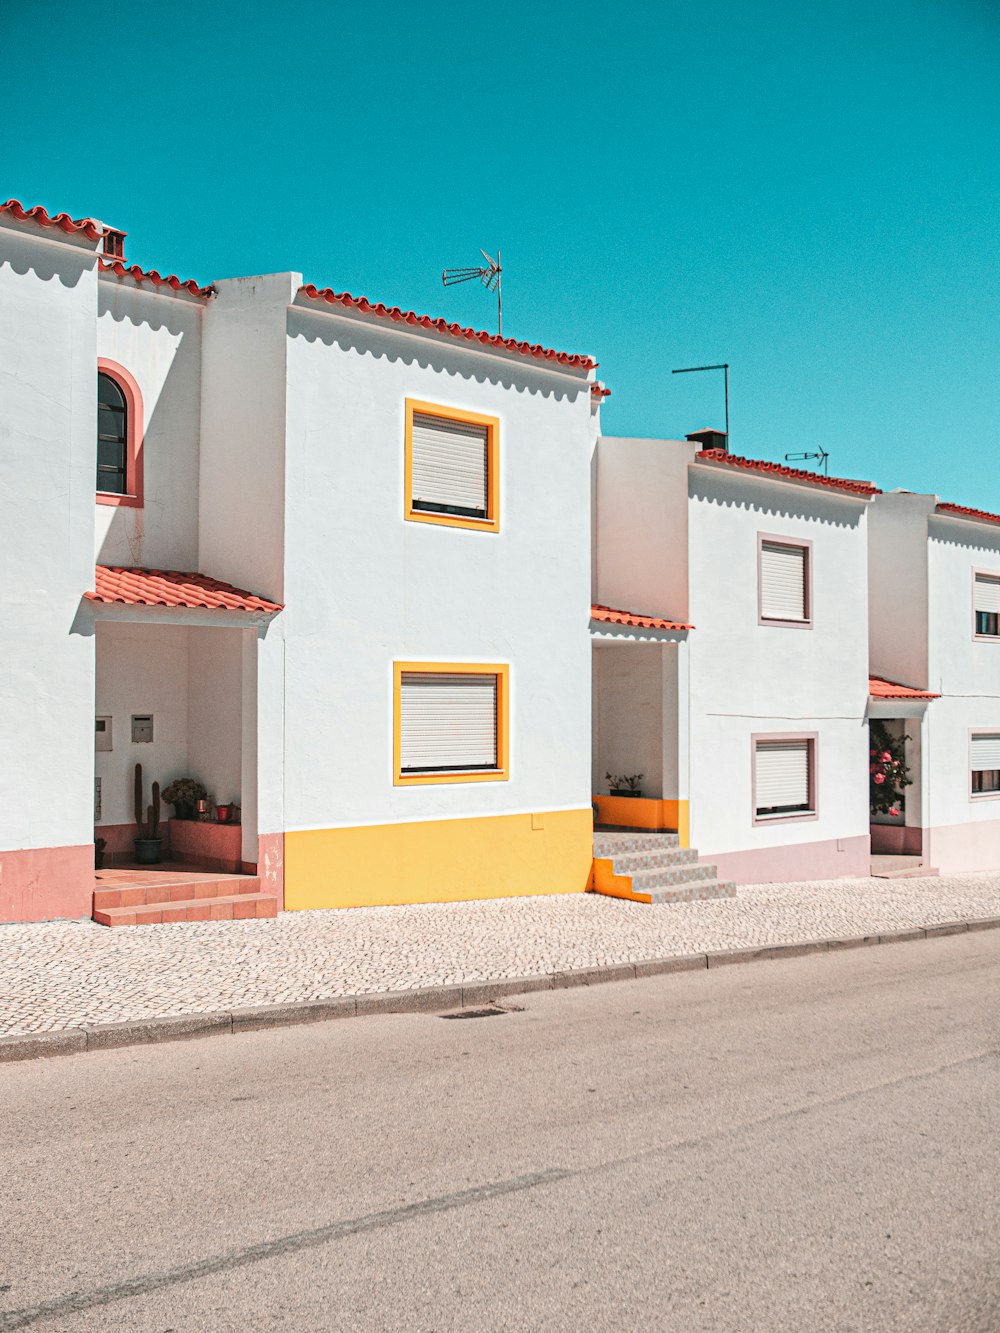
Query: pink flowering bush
x,y
888,772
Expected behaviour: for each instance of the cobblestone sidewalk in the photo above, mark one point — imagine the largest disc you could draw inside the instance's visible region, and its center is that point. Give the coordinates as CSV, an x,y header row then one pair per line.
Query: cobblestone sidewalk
x,y
66,974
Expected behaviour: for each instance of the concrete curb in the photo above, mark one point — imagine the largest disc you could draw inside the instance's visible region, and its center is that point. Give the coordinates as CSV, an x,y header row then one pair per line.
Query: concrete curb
x,y
435,999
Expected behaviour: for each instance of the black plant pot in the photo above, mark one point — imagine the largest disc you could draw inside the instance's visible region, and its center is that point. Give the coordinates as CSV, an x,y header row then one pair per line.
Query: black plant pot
x,y
98,858
183,810
147,850
635,795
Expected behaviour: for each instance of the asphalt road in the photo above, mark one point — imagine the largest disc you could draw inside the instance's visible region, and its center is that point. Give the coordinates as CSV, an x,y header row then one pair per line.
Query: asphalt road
x,y
803,1145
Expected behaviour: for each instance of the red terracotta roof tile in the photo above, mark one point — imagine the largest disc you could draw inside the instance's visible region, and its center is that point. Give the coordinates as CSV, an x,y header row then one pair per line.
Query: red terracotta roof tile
x,y
138,274
608,616
889,689
89,227
599,390
780,472
442,326
169,587
960,511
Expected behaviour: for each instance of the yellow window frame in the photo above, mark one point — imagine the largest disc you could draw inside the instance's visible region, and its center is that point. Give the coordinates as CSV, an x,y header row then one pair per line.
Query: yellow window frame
x,y
502,672
491,523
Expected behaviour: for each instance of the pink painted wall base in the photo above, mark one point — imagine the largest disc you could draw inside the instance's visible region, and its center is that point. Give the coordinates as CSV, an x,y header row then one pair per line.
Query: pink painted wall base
x,y
271,865
896,840
962,847
47,883
830,859
119,842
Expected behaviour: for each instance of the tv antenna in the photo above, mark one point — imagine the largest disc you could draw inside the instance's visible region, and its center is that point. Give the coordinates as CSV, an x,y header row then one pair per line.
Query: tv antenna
x,y
689,370
822,458
488,274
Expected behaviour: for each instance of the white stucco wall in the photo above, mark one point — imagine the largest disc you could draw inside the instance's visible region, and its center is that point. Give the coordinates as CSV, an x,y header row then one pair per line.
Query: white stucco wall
x,y
641,518
628,714
156,335
191,679
965,832
748,678
48,389
242,461
215,711
141,669
897,587
365,588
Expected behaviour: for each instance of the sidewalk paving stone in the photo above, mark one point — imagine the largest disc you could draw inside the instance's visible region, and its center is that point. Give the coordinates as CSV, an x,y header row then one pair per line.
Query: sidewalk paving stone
x,y
65,975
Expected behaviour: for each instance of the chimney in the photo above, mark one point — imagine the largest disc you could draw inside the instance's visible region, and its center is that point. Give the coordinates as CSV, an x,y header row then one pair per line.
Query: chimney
x,y
710,439
114,245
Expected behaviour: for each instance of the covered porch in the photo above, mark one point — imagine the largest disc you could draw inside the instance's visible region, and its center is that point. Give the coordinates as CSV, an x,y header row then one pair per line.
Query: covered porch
x,y
898,840
640,722
180,669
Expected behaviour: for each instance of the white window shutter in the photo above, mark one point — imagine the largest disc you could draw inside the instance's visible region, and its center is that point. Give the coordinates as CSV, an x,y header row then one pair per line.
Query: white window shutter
x,y
985,753
782,774
449,466
447,721
987,596
782,581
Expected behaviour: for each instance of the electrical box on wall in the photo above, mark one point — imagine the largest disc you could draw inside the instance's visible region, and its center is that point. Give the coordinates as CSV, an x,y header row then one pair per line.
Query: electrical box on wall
x,y
102,733
142,728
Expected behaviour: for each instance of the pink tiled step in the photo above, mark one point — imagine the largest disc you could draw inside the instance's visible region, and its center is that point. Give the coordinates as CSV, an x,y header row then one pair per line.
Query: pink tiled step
x,y
246,906
174,891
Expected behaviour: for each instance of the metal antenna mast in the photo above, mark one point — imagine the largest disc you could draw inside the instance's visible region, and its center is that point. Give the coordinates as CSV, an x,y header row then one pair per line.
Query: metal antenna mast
x,y
688,370
822,458
489,275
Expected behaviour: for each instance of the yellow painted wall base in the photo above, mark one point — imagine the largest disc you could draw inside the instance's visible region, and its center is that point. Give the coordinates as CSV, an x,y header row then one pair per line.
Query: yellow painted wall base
x,y
605,881
440,860
644,813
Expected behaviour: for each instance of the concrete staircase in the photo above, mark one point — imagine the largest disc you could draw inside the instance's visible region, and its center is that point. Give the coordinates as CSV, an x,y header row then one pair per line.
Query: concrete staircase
x,y
181,896
902,867
653,868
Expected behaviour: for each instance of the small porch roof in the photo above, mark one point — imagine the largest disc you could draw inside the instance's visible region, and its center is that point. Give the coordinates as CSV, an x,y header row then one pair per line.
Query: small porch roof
x,y
115,585
607,622
609,616
890,689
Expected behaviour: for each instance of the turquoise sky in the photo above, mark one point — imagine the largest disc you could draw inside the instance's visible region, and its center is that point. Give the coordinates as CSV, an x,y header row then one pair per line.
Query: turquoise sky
x,y
808,191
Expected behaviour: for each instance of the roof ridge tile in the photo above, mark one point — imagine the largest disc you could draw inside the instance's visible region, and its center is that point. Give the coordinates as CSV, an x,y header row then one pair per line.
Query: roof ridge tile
x,y
399,316
859,488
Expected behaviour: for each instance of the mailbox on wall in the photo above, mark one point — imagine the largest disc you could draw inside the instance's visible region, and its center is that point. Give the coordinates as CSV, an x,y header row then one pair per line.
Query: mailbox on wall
x,y
142,728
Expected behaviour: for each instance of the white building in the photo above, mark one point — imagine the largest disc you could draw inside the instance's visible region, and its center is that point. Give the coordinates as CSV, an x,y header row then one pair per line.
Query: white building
x,y
934,627
744,707
381,654
335,560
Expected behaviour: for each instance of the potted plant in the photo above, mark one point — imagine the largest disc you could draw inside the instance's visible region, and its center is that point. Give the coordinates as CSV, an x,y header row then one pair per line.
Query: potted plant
x,y
182,794
888,771
149,842
624,784
99,846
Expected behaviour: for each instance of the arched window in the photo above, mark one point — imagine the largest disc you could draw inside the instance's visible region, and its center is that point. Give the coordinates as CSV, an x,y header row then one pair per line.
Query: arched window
x,y
119,436
112,437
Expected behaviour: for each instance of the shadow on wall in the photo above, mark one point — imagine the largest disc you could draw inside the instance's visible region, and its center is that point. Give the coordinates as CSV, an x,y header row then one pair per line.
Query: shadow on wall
x,y
968,536
764,497
365,340
164,531
67,264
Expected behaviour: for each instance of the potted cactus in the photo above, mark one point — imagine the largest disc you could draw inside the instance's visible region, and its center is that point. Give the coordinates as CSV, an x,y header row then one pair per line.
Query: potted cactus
x,y
149,842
